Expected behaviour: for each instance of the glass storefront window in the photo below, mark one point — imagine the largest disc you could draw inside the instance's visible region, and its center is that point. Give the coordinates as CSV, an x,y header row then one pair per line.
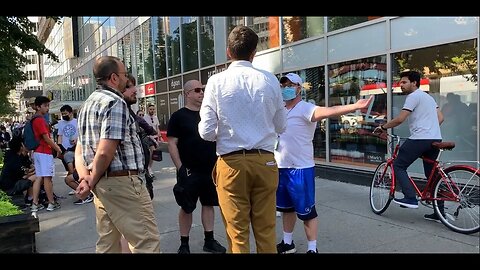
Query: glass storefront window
x,y
139,55
234,21
207,49
147,50
159,48
189,43
173,45
297,28
335,23
351,139
450,76
267,29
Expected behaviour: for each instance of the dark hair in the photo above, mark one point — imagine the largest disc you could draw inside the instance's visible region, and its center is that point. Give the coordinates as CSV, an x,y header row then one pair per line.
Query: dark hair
x,y
132,79
41,100
242,42
67,108
15,144
104,67
150,105
413,76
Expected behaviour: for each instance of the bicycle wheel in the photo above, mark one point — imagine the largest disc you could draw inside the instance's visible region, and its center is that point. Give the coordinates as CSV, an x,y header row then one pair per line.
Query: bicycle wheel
x,y
380,188
463,215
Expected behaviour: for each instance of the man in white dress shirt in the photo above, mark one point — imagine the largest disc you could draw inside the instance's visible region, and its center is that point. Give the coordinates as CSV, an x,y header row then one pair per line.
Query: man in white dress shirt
x,y
243,111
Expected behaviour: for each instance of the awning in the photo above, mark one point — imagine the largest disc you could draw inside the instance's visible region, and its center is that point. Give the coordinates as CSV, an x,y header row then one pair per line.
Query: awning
x,y
56,105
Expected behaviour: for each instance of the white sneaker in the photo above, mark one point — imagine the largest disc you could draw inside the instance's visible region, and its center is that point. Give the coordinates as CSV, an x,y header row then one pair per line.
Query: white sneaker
x,y
279,214
53,206
72,192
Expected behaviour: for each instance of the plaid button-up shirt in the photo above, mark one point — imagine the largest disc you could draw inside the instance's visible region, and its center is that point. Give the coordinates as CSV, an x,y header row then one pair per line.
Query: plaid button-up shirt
x,y
105,115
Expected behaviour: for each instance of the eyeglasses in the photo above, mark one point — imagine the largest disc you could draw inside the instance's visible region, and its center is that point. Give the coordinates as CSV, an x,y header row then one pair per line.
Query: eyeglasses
x,y
141,114
197,90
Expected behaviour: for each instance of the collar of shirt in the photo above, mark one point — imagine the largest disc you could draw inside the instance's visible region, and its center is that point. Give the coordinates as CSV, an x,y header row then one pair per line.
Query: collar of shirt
x,y
240,63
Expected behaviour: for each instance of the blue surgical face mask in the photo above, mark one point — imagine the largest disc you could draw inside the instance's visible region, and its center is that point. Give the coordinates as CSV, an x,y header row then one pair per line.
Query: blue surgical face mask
x,y
289,93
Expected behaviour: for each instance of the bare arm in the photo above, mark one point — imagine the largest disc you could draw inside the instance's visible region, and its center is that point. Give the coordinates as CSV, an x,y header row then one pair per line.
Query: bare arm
x,y
325,112
79,162
173,150
103,157
52,144
440,116
394,122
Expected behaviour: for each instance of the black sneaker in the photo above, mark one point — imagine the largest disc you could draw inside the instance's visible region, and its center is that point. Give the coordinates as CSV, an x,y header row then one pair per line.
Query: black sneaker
x,y
283,248
312,251
28,202
432,217
214,246
183,249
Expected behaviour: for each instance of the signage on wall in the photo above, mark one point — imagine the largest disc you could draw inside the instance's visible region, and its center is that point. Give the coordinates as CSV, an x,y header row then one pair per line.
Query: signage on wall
x,y
149,89
175,83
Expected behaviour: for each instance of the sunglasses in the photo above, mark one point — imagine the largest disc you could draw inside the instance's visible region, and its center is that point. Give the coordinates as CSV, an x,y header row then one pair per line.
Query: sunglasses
x,y
197,90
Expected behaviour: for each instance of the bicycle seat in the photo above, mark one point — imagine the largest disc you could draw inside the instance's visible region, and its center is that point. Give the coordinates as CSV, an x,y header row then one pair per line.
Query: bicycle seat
x,y
444,145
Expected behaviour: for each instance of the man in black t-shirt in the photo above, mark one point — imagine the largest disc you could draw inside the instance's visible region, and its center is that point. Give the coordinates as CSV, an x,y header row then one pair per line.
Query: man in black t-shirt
x,y
194,159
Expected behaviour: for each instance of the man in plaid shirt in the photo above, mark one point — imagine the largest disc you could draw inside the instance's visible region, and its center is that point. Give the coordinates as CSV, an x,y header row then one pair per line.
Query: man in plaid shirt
x,y
109,160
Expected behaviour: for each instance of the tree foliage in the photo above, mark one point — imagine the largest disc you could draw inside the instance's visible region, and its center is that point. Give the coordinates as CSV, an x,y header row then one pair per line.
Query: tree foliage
x,y
17,38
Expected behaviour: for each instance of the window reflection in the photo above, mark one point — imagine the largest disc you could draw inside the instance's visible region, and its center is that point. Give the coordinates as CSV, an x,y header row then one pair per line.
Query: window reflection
x,y
351,138
173,45
189,43
298,28
335,23
267,29
159,47
207,52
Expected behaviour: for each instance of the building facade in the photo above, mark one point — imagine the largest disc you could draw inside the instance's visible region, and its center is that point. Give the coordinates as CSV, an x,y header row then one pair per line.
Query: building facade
x,y
341,59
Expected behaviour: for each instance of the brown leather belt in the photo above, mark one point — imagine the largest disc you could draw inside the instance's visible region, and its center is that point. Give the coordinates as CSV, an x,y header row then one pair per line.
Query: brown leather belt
x,y
244,152
121,173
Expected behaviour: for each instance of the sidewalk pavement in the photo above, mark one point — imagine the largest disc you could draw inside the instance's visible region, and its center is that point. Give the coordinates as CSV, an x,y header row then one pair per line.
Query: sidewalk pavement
x,y
346,223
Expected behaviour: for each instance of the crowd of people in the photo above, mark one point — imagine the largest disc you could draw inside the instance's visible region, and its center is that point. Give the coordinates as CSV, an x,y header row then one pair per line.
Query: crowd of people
x,y
244,142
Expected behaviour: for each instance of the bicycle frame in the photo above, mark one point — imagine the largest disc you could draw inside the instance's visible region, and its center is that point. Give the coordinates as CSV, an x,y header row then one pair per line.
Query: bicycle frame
x,y
436,174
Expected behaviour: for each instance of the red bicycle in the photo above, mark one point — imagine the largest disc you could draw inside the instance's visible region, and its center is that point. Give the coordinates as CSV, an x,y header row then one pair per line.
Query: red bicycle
x,y
452,191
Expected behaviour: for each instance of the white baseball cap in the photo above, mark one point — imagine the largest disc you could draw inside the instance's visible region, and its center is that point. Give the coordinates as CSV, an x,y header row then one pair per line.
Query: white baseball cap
x,y
294,78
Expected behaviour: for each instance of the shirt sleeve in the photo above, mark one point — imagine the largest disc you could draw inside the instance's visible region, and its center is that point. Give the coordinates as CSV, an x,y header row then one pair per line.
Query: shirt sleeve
x,y
280,118
114,122
208,115
411,102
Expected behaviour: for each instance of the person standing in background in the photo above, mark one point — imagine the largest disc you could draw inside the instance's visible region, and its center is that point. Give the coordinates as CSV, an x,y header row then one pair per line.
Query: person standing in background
x,y
194,159
243,111
152,119
109,159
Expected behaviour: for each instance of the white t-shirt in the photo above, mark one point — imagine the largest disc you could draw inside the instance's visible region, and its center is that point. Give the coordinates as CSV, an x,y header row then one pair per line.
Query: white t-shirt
x,y
68,130
295,145
423,119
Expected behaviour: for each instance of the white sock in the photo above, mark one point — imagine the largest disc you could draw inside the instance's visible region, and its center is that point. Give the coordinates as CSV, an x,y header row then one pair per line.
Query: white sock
x,y
312,245
30,198
287,237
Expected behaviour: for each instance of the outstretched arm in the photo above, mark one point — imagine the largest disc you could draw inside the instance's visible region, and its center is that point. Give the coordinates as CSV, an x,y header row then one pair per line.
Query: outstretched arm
x,y
325,112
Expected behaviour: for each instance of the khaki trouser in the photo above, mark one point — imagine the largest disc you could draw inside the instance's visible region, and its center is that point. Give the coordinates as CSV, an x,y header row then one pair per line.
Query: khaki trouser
x,y
246,186
123,207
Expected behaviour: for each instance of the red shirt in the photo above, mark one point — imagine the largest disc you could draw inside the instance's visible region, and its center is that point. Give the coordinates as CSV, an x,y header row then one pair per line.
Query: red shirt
x,y
40,127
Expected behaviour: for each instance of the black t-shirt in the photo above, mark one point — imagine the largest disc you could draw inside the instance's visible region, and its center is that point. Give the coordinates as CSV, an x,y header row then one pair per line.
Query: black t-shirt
x,y
195,153
12,170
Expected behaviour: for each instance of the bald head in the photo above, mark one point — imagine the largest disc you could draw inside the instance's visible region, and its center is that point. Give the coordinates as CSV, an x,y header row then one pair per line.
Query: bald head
x,y
192,84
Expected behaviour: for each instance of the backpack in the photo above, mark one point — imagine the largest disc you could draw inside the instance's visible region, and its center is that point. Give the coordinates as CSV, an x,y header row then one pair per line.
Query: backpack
x,y
29,136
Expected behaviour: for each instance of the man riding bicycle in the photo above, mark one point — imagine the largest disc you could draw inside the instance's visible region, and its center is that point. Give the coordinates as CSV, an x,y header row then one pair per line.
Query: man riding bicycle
x,y
424,120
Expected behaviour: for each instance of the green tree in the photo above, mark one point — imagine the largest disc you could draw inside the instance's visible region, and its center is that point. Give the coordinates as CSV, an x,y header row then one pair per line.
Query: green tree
x,y
16,38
